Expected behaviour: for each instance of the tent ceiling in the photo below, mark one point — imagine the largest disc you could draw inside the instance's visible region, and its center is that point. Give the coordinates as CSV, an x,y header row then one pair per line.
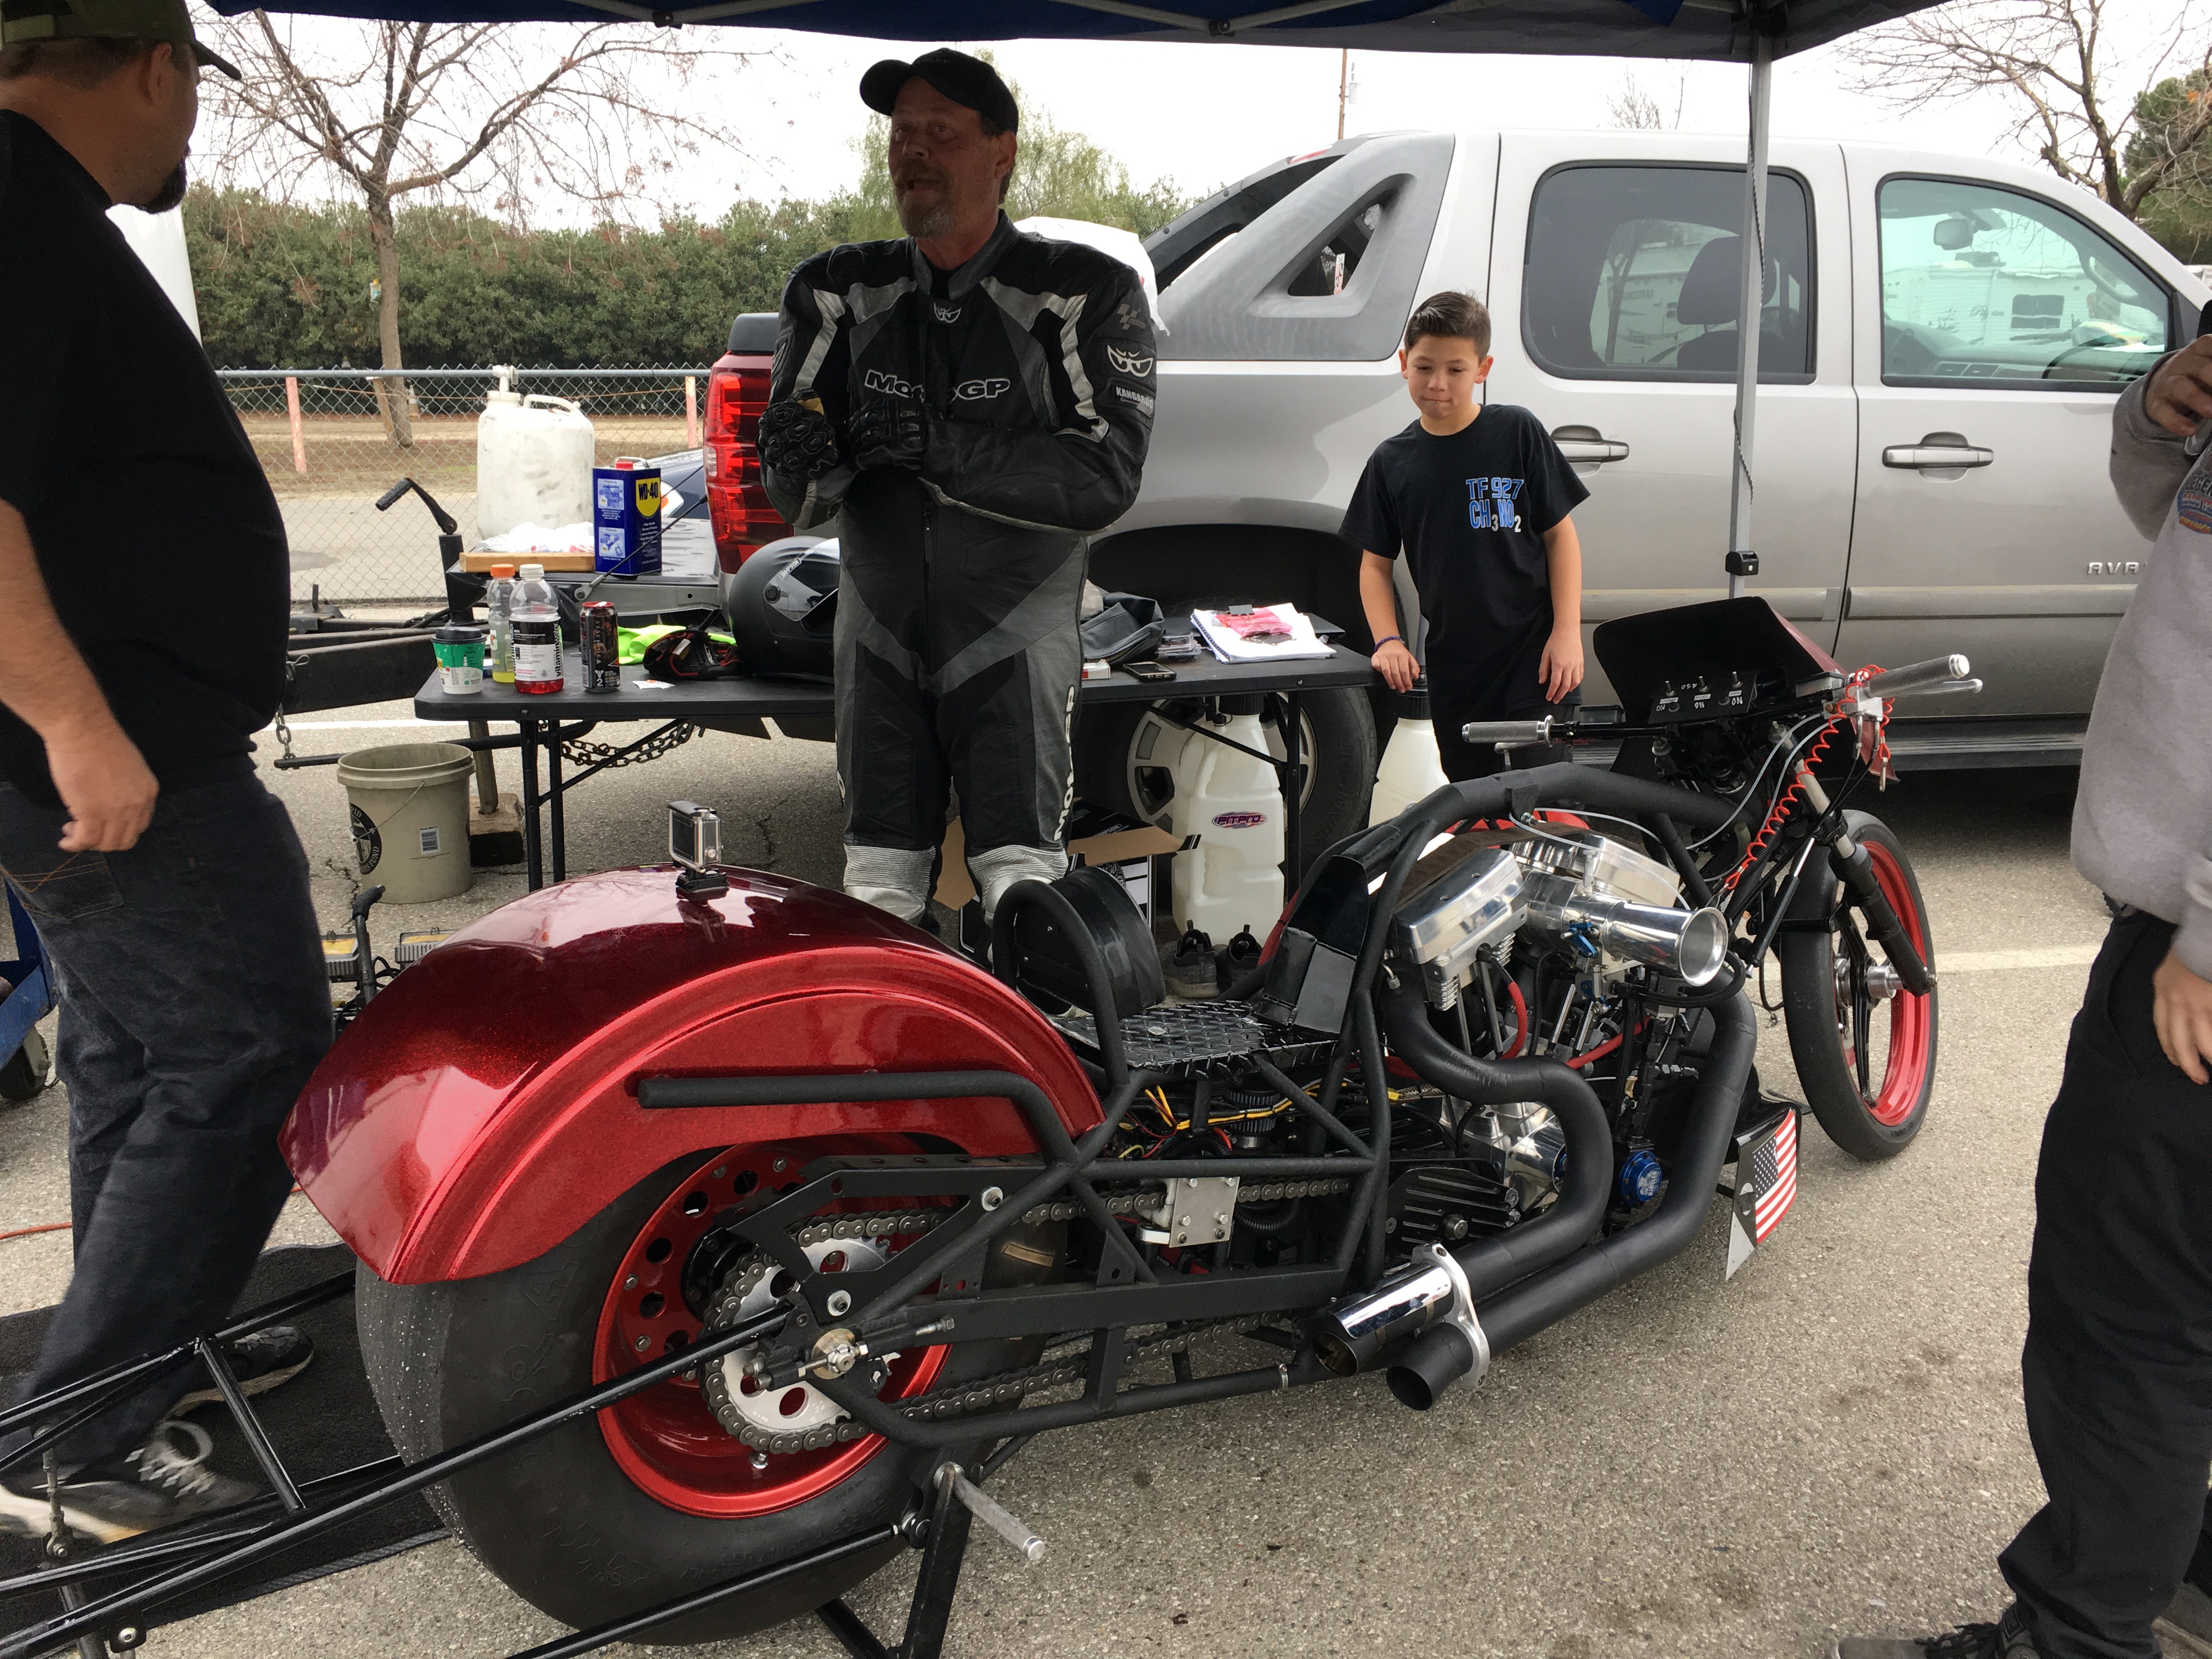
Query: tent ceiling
x,y
1709,29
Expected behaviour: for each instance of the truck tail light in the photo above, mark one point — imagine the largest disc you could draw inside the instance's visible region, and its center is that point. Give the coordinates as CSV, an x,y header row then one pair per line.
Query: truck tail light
x,y
736,501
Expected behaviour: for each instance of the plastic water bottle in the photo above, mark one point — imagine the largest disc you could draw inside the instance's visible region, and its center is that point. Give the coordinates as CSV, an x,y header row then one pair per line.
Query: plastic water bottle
x,y
1411,771
499,605
536,628
1233,880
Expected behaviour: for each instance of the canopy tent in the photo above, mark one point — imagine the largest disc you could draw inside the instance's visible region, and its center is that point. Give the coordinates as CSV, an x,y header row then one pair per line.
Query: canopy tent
x,y
1750,31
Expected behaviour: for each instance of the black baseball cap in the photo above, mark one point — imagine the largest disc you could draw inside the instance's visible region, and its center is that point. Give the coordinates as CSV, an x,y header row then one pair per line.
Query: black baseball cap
x,y
25,21
964,79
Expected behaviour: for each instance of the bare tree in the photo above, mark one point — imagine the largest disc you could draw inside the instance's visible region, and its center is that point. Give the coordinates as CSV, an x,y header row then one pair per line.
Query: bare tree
x,y
381,111
1630,104
2073,89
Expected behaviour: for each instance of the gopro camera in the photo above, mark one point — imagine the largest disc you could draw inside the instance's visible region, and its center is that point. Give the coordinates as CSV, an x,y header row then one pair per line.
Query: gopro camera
x,y
695,842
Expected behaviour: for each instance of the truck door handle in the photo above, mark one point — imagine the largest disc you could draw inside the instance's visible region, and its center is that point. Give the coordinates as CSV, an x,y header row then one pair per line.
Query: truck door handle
x,y
1585,446
1936,451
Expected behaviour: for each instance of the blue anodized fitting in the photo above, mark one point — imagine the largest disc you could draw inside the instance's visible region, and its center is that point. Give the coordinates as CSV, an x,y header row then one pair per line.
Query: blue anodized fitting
x,y
1640,1176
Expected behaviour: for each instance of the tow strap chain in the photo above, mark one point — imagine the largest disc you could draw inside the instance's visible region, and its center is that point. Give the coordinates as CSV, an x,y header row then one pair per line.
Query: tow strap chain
x,y
981,1393
577,752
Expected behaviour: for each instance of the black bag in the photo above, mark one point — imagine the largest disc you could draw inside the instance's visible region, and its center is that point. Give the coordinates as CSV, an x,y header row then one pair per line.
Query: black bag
x,y
1130,626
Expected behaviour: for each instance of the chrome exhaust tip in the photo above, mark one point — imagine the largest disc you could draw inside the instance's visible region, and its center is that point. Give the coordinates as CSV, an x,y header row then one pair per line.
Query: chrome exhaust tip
x,y
1428,1299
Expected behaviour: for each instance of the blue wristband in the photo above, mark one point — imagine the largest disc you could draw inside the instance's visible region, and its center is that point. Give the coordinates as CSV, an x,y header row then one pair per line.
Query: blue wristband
x,y
1388,638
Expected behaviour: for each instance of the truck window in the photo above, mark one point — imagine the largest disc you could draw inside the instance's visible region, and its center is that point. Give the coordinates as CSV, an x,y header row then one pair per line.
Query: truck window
x,y
1990,287
1634,273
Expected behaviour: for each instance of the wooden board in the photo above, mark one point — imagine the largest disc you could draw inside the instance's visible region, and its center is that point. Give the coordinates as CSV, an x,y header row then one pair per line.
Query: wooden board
x,y
481,563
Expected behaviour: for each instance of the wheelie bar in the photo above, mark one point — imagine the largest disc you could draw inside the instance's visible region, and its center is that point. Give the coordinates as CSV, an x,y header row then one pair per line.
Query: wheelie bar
x,y
1855,865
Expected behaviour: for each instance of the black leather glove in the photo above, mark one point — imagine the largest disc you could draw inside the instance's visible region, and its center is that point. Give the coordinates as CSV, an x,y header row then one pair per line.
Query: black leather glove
x,y
886,432
798,442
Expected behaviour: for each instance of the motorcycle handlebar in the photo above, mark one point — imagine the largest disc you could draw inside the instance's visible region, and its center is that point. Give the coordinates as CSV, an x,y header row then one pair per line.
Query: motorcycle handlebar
x,y
1507,733
1895,682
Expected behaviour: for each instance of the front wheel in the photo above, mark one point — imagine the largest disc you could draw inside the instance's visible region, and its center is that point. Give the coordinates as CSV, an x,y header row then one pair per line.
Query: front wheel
x,y
1865,1047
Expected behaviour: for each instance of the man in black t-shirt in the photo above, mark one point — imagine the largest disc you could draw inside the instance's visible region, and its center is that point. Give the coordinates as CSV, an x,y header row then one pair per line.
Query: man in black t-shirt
x,y
1478,497
144,583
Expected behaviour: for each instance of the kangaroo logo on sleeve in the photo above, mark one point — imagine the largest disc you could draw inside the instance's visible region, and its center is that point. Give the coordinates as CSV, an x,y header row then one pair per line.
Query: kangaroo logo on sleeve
x,y
1490,503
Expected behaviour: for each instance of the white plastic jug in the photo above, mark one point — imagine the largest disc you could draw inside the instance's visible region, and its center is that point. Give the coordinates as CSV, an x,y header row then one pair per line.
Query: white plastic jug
x,y
533,461
1411,771
1233,804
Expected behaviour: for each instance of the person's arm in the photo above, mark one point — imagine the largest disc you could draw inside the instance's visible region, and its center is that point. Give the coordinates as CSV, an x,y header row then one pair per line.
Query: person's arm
x,y
810,358
1378,597
2149,421
1560,668
98,773
1080,477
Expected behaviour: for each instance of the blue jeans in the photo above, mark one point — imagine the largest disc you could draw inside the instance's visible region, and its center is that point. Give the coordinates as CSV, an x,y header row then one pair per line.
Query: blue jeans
x,y
193,1007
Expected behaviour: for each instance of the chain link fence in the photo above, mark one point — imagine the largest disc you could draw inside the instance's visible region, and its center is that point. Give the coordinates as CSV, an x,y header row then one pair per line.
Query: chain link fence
x,y
333,440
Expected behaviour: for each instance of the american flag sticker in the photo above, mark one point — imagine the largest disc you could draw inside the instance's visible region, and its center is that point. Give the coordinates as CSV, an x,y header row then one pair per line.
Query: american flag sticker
x,y
1765,1184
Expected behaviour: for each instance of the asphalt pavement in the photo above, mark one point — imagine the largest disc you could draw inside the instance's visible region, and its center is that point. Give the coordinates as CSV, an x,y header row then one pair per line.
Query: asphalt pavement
x,y
1829,1442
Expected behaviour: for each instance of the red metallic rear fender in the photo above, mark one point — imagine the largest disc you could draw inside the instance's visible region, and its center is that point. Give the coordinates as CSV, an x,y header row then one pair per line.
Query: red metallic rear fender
x,y
485,1106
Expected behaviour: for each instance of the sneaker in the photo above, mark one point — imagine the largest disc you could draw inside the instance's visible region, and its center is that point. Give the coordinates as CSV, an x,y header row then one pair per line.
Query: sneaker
x,y
259,1361
2006,1639
2184,1629
1189,966
1236,958
157,1486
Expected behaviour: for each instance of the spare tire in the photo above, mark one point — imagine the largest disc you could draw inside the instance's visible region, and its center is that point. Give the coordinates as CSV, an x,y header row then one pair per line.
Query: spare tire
x,y
1116,772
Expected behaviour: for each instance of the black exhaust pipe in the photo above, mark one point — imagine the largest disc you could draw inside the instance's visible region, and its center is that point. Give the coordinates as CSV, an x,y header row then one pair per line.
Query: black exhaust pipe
x,y
1351,1334
1443,1354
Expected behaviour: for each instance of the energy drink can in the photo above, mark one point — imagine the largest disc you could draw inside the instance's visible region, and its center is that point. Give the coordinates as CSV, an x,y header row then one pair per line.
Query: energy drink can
x,y
626,518
599,645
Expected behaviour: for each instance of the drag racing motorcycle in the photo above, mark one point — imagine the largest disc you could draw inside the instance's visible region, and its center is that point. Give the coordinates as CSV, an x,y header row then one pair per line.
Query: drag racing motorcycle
x,y
717,1231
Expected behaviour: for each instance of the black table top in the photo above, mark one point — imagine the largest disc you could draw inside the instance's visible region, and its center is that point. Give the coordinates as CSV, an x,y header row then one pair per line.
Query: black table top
x,y
725,699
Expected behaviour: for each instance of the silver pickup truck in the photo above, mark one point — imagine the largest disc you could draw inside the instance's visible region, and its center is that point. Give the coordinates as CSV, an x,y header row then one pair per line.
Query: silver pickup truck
x,y
1941,342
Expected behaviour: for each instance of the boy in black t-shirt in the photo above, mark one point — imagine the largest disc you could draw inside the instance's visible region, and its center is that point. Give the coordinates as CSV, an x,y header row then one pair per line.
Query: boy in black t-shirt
x,y
1478,498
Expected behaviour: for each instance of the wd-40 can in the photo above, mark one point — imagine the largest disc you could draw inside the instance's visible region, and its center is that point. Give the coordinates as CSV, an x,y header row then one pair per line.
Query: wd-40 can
x,y
600,644
626,518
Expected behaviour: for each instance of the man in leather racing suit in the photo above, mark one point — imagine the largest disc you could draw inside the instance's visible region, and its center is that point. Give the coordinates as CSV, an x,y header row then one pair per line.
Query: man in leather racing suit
x,y
968,403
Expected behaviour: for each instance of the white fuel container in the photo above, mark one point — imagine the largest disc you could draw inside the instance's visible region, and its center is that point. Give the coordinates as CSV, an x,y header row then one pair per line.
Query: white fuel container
x,y
1411,771
533,461
1233,878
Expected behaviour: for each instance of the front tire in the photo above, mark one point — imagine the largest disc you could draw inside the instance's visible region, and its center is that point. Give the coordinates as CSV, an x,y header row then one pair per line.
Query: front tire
x,y
1867,1072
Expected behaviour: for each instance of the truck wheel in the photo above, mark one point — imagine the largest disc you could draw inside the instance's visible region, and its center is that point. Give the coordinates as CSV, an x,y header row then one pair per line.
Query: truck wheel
x,y
1121,760
656,1497
1867,1070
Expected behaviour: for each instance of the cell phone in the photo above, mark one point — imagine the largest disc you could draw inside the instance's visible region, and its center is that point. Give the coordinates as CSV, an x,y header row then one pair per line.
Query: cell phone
x,y
1151,673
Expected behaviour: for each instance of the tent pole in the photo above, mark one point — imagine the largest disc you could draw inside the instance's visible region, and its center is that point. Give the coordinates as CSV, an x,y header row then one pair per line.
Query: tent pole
x,y
1743,562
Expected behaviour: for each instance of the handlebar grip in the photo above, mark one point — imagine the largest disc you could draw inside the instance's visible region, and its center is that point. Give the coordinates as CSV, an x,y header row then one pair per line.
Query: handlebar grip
x,y
1942,688
1894,682
366,898
1507,733
393,494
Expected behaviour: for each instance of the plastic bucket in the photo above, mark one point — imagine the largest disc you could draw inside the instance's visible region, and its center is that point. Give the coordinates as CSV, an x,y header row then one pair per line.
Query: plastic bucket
x,y
410,809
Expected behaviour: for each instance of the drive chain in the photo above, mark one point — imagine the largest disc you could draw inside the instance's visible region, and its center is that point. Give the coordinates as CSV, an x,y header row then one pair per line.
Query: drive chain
x,y
981,1393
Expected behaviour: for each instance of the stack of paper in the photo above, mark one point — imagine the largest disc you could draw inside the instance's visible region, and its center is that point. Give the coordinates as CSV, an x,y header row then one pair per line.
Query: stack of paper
x,y
1266,633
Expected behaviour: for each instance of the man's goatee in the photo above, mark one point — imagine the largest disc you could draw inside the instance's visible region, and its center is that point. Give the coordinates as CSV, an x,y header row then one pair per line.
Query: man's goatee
x,y
171,193
924,224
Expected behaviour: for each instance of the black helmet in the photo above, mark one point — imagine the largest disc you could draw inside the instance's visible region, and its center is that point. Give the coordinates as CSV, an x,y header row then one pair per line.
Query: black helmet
x,y
782,606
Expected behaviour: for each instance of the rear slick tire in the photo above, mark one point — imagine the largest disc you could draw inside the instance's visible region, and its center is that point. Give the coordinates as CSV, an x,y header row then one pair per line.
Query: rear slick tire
x,y
1872,1109
559,1520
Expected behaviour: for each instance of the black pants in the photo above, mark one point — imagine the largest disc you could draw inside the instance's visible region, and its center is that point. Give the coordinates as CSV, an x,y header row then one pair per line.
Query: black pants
x,y
1463,760
2118,1364
193,1007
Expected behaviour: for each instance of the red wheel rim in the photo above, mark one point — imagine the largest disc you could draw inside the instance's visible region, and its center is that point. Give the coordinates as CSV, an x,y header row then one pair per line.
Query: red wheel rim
x,y
1912,1019
666,1439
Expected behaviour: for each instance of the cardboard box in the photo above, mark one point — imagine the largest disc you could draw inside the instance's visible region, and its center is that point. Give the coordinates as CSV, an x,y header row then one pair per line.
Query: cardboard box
x,y
954,889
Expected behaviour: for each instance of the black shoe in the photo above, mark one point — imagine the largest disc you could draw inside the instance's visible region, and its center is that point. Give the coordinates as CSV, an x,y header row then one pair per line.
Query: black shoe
x,y
157,1486
1236,958
259,1361
2006,1639
1189,966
